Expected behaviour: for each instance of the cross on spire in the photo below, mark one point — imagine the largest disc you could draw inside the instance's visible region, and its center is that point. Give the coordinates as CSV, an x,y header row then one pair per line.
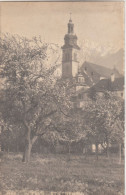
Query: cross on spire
x,y
70,15
70,20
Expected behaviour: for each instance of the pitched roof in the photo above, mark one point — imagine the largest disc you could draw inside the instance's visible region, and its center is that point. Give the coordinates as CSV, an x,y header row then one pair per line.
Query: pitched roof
x,y
108,85
100,70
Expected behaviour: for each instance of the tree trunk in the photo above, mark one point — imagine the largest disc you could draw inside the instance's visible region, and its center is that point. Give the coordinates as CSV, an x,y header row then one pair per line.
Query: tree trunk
x,y
28,147
69,150
85,152
120,154
27,153
124,151
96,151
8,150
107,150
16,146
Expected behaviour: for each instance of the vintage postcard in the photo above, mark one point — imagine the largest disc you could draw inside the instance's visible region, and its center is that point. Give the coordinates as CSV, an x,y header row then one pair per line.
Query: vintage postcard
x,y
62,98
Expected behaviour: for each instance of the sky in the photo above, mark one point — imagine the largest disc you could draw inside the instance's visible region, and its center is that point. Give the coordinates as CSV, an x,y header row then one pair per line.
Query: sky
x,y
101,22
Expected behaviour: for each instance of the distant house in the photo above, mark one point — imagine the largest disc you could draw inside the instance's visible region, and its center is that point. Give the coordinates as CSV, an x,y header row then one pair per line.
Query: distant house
x,y
112,84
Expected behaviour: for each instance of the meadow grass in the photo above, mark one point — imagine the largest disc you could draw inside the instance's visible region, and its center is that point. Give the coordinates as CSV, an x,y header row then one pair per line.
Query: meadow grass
x,y
58,172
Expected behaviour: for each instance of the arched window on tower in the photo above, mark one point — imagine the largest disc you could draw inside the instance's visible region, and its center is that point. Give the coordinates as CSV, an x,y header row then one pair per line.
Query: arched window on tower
x,y
71,29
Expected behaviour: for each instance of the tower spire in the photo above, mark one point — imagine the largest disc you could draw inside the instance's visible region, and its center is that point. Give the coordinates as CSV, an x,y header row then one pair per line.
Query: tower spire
x,y
70,26
70,20
70,52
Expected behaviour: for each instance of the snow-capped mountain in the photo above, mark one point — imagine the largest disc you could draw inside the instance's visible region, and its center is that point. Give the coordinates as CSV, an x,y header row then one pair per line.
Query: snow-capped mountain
x,y
104,55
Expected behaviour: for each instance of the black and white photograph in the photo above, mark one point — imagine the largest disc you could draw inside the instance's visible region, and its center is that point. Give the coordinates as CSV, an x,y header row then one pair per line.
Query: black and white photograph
x,y
62,98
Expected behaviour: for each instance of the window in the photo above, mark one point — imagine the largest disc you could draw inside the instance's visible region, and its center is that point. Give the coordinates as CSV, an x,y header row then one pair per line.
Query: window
x,y
85,68
79,79
82,79
92,73
67,56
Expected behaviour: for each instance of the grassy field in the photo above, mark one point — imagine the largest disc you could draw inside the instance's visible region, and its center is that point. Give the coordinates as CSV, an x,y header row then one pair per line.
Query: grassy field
x,y
59,173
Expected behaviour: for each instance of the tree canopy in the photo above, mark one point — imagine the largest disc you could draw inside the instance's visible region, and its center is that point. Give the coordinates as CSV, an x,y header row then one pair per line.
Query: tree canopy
x,y
31,95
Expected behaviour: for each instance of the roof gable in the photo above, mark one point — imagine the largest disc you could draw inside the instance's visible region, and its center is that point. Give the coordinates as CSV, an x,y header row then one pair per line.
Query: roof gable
x,y
100,70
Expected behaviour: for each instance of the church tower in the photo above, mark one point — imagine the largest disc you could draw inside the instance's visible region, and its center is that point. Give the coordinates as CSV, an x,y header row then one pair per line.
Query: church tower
x,y
70,51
